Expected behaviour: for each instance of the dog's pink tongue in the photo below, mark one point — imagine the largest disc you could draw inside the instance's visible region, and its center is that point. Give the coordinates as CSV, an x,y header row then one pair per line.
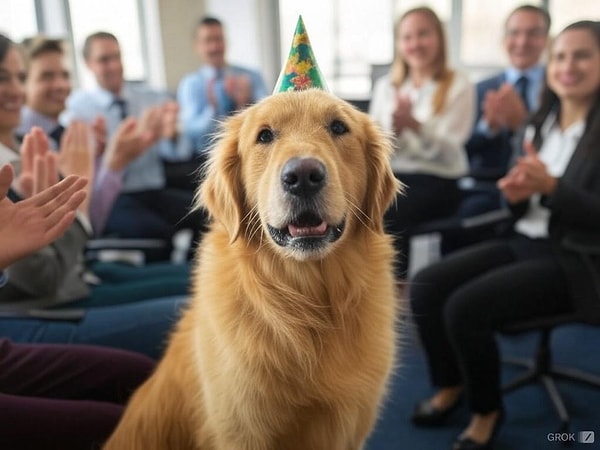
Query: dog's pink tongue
x,y
307,231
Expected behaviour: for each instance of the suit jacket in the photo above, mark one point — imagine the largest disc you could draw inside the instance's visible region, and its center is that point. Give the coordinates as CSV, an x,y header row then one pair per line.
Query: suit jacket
x,y
489,154
574,226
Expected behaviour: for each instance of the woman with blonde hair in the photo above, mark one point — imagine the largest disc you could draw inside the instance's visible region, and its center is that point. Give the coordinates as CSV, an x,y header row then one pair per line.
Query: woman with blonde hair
x,y
428,109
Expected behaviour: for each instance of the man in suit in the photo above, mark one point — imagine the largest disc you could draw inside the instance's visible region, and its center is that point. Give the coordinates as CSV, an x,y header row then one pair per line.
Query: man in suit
x,y
505,99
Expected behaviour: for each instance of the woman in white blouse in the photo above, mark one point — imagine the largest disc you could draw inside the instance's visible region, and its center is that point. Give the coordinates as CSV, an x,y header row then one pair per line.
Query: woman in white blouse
x,y
428,109
541,268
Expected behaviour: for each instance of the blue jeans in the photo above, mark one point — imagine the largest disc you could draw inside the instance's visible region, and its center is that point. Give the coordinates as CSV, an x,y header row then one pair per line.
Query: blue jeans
x,y
141,326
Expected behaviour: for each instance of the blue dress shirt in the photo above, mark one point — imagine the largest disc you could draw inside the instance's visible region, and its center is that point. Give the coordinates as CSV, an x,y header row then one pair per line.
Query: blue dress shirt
x,y
146,172
199,119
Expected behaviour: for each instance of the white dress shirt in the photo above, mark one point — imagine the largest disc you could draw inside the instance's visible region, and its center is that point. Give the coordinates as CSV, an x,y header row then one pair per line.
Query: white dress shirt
x,y
557,148
438,148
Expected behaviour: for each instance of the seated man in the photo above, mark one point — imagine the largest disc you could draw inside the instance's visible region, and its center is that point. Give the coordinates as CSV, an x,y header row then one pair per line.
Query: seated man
x,y
144,208
213,92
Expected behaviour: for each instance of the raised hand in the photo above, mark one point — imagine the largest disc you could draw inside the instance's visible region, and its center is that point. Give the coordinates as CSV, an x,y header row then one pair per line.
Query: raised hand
x,y
99,132
504,108
239,88
402,116
38,164
151,122
33,223
170,113
76,155
529,176
129,141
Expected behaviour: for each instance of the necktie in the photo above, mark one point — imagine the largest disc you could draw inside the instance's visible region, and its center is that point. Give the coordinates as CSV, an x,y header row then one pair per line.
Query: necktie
x,y
56,134
122,105
521,87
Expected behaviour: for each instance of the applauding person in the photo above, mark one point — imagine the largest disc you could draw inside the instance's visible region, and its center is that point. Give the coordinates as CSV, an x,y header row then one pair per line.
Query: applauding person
x,y
554,191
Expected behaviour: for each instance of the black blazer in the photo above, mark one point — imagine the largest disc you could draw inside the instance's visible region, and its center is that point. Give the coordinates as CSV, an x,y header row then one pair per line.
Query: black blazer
x,y
575,222
574,226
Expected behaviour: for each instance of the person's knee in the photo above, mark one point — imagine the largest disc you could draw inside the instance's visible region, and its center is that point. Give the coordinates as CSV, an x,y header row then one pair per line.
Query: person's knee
x,y
462,316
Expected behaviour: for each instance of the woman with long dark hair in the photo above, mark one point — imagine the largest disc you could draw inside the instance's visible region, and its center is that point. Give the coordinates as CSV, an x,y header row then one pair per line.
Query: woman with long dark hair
x,y
554,192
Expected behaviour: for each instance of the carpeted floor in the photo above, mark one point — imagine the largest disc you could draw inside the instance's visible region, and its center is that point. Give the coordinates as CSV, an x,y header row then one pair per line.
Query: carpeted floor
x,y
530,415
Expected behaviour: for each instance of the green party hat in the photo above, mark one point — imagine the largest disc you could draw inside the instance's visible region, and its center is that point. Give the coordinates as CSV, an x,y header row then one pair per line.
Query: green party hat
x,y
301,70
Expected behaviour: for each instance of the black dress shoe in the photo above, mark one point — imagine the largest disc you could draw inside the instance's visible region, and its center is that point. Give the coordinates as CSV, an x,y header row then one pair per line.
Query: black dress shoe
x,y
466,443
426,415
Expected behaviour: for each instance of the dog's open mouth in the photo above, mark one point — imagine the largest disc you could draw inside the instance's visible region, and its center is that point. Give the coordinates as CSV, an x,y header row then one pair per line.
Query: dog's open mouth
x,y
308,231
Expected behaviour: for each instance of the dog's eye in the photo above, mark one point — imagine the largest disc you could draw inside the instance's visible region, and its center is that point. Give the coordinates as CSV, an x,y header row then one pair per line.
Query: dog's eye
x,y
265,136
338,128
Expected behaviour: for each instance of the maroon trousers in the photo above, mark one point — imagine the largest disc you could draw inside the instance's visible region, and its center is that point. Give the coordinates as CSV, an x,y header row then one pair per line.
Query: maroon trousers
x,y
67,397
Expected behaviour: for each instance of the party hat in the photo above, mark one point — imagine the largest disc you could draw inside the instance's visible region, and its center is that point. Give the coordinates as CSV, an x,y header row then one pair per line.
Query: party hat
x,y
301,70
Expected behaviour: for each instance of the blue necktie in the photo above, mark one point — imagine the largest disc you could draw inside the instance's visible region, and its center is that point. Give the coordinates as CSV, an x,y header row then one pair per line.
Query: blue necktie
x,y
521,87
122,105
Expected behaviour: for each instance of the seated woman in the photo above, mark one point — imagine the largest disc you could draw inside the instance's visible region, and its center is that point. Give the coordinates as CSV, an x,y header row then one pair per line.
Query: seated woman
x,y
554,192
67,397
429,109
136,315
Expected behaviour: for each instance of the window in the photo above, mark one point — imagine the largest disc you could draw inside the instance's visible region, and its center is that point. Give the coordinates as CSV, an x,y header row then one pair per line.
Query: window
x,y
564,12
346,40
120,17
18,19
482,29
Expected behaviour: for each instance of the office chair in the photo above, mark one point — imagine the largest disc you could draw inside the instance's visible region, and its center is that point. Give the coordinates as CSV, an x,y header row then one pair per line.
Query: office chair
x,y
540,367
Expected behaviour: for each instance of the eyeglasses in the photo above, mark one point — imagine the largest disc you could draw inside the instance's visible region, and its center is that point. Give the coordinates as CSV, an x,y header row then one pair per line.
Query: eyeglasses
x,y
531,33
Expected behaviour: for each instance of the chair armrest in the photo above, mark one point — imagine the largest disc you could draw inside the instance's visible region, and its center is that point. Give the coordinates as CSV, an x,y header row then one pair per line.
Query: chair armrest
x,y
67,315
490,218
130,251
582,242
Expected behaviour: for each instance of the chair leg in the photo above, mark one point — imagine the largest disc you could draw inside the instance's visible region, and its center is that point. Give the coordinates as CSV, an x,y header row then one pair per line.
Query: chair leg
x,y
570,374
530,375
557,401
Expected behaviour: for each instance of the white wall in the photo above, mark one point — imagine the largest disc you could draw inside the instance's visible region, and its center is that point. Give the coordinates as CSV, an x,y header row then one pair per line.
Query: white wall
x,y
252,32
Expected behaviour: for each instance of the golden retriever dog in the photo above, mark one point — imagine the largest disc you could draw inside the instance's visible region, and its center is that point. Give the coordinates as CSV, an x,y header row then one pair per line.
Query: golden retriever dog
x,y
289,338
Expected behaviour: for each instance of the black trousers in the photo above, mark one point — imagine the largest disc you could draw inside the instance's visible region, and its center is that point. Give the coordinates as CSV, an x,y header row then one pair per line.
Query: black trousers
x,y
459,302
426,197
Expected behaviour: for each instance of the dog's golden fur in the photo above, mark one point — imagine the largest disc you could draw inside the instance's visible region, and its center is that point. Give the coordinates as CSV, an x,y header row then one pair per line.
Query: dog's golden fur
x,y
286,345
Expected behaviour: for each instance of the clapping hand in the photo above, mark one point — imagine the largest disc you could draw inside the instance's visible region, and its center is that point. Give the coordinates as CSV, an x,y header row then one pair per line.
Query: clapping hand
x,y
170,112
529,176
38,164
129,141
504,108
151,123
37,221
239,89
402,117
76,155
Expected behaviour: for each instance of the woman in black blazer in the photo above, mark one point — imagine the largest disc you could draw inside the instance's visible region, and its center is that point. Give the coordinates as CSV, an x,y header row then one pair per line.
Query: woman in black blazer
x,y
540,269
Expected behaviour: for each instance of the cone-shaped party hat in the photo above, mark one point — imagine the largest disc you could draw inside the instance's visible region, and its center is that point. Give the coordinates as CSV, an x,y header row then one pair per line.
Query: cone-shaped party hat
x,y
301,70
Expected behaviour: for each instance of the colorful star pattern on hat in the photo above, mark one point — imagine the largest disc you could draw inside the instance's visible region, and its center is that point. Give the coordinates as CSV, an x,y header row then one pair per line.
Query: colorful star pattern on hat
x,y
301,70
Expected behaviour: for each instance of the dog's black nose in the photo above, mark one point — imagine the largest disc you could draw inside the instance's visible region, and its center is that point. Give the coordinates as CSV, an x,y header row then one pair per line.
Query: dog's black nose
x,y
303,176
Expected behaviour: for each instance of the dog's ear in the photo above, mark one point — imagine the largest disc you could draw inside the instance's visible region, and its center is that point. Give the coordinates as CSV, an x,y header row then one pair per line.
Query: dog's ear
x,y
382,185
221,191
